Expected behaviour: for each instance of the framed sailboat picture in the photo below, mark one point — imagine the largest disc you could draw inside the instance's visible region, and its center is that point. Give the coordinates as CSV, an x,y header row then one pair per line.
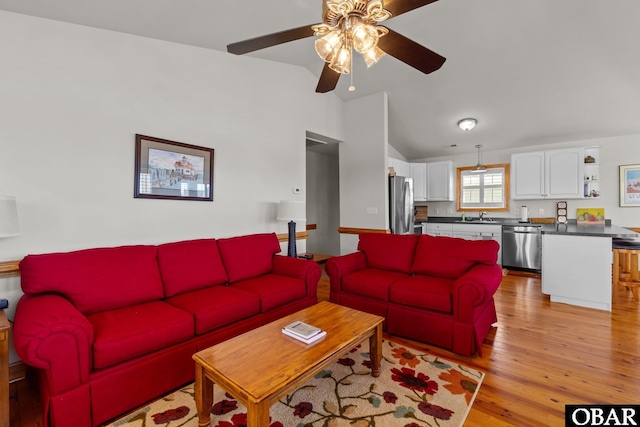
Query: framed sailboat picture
x,y
172,170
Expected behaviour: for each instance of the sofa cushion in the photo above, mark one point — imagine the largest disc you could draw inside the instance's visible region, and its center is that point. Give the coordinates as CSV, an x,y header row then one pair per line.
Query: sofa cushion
x,y
96,279
451,257
128,332
190,265
371,283
217,306
389,251
250,256
274,290
431,293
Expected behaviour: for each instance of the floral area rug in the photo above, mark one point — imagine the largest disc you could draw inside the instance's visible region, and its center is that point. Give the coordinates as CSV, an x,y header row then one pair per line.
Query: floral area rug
x,y
413,390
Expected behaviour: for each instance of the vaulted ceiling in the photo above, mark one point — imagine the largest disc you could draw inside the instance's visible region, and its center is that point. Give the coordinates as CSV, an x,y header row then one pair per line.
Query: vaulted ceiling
x,y
532,72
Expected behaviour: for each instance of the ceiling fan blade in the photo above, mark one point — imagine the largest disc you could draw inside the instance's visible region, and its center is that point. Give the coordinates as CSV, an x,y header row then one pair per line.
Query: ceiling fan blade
x,y
257,43
410,52
398,7
328,80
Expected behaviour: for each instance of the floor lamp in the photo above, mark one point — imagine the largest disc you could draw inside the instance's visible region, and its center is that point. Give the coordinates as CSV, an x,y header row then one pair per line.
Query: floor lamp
x,y
292,211
8,217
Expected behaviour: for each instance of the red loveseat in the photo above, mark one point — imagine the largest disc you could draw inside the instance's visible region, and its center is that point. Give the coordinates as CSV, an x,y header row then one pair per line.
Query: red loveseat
x,y
110,329
437,290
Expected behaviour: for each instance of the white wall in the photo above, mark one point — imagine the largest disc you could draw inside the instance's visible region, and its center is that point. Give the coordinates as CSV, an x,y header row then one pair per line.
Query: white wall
x,y
363,163
73,99
614,151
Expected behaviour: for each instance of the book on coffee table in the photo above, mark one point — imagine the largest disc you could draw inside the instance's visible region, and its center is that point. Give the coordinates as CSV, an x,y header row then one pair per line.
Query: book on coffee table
x,y
302,329
309,340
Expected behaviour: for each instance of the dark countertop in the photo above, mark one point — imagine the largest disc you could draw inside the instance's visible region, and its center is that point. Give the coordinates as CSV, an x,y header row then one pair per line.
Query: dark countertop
x,y
457,220
572,228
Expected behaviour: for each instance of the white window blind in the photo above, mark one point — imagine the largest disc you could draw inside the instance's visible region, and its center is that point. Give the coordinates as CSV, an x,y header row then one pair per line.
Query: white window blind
x,y
483,190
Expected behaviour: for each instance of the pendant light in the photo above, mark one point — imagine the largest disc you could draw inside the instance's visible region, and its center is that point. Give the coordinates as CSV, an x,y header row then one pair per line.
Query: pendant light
x,y
479,168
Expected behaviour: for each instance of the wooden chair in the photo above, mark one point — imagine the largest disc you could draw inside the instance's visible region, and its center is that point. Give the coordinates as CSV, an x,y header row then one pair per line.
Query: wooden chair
x,y
625,266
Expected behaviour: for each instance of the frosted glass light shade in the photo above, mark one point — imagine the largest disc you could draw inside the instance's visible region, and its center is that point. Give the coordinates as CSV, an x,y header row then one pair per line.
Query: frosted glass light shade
x,y
365,37
341,62
373,55
467,124
8,217
290,210
327,45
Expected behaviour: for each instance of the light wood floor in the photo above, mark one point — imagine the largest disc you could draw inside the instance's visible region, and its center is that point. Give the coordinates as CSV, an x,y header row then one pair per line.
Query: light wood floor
x,y
540,357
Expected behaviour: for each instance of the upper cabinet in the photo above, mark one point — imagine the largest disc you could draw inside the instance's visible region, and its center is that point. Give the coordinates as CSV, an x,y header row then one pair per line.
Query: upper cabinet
x,y
419,175
433,182
554,174
440,179
401,167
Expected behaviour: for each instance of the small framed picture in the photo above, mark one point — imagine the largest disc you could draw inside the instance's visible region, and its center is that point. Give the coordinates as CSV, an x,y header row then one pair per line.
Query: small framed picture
x,y
630,185
172,170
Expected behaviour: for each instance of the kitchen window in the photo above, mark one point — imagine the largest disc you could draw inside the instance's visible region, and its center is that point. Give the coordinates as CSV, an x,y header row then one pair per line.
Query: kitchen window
x,y
488,191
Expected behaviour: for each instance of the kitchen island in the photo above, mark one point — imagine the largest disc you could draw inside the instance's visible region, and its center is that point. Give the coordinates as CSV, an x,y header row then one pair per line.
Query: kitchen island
x,y
576,259
576,263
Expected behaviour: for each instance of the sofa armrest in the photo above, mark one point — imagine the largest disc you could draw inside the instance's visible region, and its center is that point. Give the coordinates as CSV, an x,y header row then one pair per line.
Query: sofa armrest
x,y
338,267
51,334
306,270
474,289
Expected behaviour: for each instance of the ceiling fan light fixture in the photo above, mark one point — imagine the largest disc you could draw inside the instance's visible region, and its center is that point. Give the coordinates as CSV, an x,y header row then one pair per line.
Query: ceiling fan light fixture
x,y
467,124
373,55
354,23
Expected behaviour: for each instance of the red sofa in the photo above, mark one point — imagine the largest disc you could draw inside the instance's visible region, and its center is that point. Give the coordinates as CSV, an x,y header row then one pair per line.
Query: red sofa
x,y
437,290
110,329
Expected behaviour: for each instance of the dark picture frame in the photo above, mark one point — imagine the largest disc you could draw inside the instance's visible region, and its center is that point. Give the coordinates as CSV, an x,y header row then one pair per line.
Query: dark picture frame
x,y
630,185
172,170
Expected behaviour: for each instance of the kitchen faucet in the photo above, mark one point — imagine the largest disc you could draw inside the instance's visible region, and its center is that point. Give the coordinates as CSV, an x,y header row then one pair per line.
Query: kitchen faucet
x,y
482,215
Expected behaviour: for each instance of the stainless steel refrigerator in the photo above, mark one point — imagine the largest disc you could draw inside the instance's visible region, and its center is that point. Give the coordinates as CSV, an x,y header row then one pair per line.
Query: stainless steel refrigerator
x,y
401,205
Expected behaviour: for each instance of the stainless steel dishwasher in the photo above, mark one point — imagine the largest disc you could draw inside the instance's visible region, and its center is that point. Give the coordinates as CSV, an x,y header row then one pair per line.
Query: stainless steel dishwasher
x,y
522,246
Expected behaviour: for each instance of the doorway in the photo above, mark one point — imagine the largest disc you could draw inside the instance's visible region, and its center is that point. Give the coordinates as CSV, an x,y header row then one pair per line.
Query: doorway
x,y
323,194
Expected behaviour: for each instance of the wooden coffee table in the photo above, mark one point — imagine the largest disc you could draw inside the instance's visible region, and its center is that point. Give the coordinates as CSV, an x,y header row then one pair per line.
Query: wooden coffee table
x,y
262,366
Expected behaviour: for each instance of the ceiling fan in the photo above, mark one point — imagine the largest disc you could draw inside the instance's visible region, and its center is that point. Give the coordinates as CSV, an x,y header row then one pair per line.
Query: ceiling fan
x,y
349,25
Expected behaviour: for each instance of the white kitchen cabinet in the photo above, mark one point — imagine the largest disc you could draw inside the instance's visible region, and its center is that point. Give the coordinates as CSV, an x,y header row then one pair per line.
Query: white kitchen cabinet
x,y
440,179
479,232
419,175
577,270
553,174
433,182
401,167
438,229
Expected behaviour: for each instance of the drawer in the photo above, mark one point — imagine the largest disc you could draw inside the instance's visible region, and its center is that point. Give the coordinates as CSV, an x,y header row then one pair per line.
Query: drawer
x,y
439,227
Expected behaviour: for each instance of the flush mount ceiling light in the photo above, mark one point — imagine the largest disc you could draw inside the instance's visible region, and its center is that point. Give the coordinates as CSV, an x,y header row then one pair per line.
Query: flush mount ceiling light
x,y
479,168
467,124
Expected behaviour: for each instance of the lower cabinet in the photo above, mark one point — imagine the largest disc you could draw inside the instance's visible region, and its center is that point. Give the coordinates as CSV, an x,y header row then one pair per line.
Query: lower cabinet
x,y
479,232
439,229
468,231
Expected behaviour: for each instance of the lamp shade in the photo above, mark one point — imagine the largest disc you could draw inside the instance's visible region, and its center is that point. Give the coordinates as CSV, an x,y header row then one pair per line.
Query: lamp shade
x,y
290,210
8,217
